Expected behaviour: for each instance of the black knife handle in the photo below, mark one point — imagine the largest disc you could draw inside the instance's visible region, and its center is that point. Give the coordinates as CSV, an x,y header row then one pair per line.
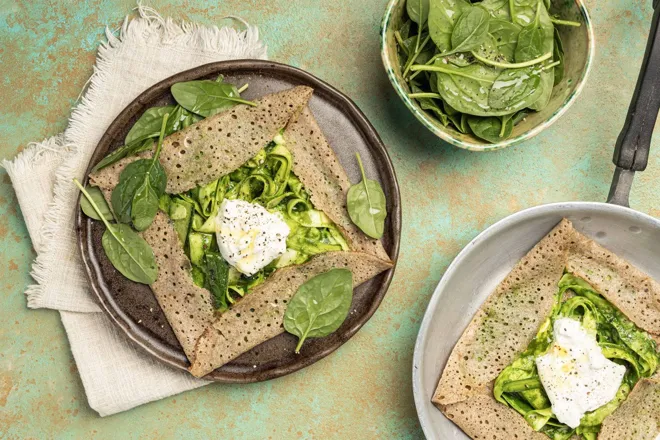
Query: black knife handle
x,y
634,142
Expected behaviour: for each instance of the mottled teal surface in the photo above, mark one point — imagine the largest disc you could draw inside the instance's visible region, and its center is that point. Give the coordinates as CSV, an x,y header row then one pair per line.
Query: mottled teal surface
x,y
47,49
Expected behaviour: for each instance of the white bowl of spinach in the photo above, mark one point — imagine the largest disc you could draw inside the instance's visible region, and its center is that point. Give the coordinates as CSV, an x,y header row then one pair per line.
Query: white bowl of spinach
x,y
484,75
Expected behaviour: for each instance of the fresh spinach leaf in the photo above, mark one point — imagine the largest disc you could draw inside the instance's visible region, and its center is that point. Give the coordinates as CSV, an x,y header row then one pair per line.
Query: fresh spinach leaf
x,y
126,250
515,89
536,39
430,105
522,12
217,279
404,30
130,254
141,183
491,129
498,9
206,97
149,123
137,146
558,55
547,83
466,89
418,10
145,205
130,180
505,34
518,117
442,16
97,196
464,127
470,30
367,205
320,305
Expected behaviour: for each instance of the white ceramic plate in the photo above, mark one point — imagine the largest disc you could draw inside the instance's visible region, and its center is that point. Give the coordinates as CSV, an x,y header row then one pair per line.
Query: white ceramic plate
x,y
483,263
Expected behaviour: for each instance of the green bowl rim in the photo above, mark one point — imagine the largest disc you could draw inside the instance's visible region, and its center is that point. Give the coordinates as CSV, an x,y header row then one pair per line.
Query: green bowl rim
x,y
472,146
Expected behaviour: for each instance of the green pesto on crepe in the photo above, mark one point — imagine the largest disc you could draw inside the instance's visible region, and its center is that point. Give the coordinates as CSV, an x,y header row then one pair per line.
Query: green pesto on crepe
x,y
266,179
621,341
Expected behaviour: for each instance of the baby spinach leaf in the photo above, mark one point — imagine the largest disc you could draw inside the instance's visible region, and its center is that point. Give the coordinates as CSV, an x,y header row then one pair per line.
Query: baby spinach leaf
x,y
97,196
470,30
558,55
505,34
515,89
129,253
149,123
498,9
522,12
137,146
404,30
547,83
141,183
486,50
537,38
126,250
216,272
130,180
320,305
490,129
442,16
206,97
145,205
418,10
430,105
466,88
367,205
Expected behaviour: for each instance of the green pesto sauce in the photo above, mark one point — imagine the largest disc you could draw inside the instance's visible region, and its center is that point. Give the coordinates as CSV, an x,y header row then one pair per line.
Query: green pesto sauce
x,y
621,341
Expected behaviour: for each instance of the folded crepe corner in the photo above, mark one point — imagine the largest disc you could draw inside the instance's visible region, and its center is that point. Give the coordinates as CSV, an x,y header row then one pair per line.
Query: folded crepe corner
x,y
225,142
260,315
467,379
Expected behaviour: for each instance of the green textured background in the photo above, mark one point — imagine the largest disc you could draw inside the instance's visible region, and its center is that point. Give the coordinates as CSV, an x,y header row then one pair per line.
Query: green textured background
x,y
47,49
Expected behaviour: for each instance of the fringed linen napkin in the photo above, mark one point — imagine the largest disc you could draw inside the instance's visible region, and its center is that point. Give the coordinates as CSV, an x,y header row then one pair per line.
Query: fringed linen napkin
x,y
116,375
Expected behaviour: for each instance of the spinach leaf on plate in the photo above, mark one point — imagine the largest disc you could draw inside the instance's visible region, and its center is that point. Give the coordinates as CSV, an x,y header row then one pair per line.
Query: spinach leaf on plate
x,y
126,250
129,253
320,305
136,146
96,195
141,183
206,97
366,205
149,123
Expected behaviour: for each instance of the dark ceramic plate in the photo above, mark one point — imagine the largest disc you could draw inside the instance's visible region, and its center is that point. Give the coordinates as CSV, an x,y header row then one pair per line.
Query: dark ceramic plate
x,y
134,308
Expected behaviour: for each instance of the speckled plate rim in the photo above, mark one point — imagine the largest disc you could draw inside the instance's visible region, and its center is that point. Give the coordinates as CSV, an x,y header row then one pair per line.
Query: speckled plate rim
x,y
353,113
421,403
472,146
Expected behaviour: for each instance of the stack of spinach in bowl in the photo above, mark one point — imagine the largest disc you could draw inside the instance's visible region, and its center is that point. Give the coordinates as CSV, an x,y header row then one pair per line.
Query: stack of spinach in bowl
x,y
481,67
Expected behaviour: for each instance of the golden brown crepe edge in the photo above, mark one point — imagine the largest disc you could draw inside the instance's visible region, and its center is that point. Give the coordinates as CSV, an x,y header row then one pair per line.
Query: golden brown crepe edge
x,y
259,316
